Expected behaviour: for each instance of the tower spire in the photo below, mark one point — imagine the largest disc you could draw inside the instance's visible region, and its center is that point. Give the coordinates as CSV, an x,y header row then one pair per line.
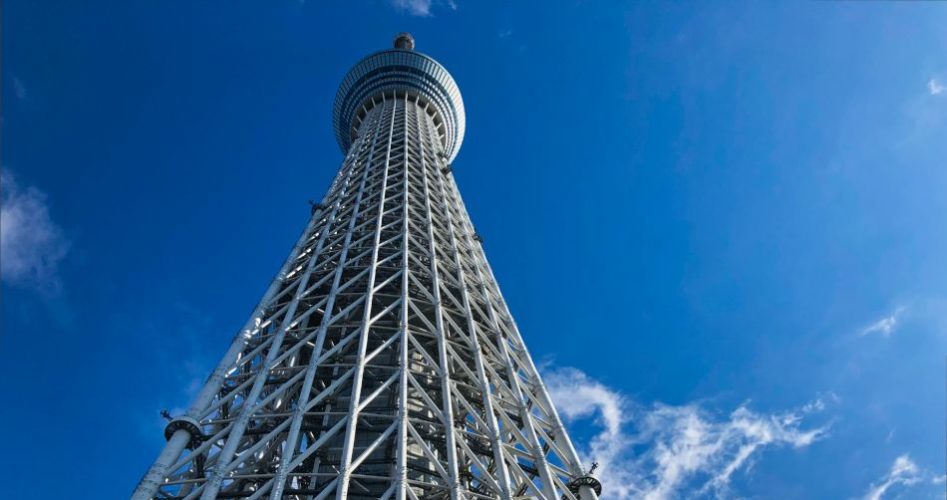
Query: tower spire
x,y
382,362
404,41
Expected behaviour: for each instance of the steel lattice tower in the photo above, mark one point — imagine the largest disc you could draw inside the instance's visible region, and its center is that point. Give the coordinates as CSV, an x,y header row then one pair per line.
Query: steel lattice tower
x,y
382,362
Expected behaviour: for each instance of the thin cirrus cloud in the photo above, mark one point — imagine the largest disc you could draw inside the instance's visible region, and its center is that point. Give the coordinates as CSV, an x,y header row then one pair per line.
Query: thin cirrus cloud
x,y
31,244
19,89
904,472
663,451
935,87
884,326
420,8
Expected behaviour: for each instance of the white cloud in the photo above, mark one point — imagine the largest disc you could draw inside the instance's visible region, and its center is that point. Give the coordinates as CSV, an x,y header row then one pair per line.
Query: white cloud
x,y
419,7
935,87
664,451
903,472
31,244
414,7
884,326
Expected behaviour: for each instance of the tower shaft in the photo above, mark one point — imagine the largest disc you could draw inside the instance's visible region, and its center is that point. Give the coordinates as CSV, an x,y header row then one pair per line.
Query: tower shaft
x,y
382,362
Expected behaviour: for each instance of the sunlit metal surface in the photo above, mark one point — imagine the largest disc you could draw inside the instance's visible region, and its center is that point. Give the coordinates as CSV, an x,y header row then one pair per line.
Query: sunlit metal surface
x,y
382,362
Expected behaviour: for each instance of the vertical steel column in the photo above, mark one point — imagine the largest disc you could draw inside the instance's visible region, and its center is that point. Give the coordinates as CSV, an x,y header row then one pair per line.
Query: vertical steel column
x,y
539,455
289,449
447,409
373,121
587,493
560,434
401,466
503,479
342,487
149,484
213,485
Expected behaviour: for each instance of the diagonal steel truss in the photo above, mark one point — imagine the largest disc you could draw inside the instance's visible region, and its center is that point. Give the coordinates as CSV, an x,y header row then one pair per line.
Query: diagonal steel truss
x,y
382,362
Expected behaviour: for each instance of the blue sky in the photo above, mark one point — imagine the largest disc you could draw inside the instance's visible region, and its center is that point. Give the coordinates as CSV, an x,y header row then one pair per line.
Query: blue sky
x,y
720,226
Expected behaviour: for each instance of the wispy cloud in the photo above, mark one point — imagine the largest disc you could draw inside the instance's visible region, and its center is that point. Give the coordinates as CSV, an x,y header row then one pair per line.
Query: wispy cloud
x,y
663,451
414,7
19,89
935,87
923,116
903,472
420,8
884,326
31,244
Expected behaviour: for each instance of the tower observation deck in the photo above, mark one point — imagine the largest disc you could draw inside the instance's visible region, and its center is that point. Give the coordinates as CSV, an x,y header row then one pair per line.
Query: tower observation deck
x,y
382,362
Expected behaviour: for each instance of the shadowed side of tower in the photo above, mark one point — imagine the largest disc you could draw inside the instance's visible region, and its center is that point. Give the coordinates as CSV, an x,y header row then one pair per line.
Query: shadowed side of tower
x,y
382,362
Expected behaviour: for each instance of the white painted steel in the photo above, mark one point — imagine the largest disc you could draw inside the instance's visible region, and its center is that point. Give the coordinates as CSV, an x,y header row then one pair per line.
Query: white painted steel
x,y
383,361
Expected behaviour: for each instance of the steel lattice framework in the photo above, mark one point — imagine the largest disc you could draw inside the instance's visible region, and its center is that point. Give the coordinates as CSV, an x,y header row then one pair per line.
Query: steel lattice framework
x,y
382,362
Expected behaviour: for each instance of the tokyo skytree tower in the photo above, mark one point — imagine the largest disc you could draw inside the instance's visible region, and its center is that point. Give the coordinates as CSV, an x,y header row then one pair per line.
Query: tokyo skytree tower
x,y
382,362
